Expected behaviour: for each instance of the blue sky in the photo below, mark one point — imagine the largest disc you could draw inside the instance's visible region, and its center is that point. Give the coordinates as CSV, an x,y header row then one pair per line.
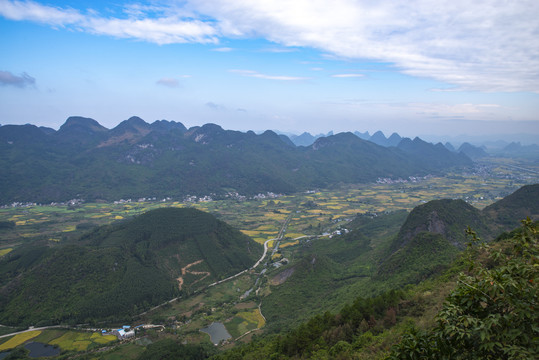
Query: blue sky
x,y
422,67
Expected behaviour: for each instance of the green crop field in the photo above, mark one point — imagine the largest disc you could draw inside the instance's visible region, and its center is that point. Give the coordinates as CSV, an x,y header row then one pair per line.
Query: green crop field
x,y
80,341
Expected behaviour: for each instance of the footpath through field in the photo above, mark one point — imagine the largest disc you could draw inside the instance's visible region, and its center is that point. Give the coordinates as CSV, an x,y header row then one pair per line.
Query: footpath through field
x,y
33,329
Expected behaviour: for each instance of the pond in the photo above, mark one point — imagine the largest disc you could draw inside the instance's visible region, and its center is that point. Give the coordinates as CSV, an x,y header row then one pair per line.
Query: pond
x,y
217,332
38,349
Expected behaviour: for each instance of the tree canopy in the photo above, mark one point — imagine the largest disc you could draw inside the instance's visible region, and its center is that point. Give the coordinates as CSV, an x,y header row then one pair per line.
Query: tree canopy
x,y
492,313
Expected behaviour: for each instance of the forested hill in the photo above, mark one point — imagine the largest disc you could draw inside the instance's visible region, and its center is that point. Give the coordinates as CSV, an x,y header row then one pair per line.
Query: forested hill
x,y
487,315
120,270
522,203
85,160
434,233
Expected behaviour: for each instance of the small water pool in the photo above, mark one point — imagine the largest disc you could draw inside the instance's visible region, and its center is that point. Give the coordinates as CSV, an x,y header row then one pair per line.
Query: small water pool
x,y
38,349
217,332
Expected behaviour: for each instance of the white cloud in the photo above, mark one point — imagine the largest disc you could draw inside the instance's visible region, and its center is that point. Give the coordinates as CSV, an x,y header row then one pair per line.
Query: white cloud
x,y
485,45
489,45
255,74
347,75
166,28
32,11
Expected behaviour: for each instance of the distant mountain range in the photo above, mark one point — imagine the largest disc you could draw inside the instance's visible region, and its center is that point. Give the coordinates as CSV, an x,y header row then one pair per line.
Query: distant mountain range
x,y
499,148
85,160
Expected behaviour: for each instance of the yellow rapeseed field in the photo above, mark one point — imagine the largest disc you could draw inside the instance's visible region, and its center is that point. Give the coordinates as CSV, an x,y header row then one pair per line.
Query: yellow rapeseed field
x,y
19,339
259,240
253,317
102,339
294,235
251,232
289,244
265,227
5,251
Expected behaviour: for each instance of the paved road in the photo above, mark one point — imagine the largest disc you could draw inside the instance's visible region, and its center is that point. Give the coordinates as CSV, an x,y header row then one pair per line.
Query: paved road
x,y
278,239
264,254
33,329
244,271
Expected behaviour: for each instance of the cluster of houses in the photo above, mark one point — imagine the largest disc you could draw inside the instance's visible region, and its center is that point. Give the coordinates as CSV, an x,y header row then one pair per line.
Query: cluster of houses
x,y
231,195
122,334
412,179
72,202
268,195
390,181
193,198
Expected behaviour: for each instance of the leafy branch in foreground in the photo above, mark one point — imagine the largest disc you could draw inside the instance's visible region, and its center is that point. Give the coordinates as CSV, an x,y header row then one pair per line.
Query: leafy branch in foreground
x,y
493,311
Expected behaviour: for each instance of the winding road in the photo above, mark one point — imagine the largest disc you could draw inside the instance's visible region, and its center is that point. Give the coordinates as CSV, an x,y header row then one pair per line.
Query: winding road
x,y
278,239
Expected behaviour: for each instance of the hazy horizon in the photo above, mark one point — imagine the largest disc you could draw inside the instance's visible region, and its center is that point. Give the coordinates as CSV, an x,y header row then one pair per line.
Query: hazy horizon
x,y
454,139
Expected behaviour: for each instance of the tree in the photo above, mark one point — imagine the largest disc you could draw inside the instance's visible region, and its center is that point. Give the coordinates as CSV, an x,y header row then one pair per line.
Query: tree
x,y
493,311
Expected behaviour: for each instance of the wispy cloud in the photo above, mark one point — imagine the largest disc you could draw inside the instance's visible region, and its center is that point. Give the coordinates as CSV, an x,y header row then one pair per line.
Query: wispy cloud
x,y
216,107
489,45
347,75
480,112
168,82
9,79
164,27
255,74
278,50
32,11
223,49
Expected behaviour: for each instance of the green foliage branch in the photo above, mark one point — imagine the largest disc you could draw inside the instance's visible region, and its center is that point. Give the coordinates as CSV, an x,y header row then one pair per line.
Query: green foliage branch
x,y
492,313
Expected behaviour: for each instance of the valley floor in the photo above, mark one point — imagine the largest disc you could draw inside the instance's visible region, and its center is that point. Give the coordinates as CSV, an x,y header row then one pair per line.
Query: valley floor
x,y
292,229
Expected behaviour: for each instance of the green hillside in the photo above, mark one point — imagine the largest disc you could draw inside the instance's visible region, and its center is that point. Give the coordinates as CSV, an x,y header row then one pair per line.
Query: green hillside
x,y
425,255
120,270
448,218
490,319
429,240
434,233
330,272
520,204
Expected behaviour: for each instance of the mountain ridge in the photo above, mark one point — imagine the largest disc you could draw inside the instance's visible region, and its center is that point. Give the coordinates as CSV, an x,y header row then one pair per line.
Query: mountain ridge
x,y
136,159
